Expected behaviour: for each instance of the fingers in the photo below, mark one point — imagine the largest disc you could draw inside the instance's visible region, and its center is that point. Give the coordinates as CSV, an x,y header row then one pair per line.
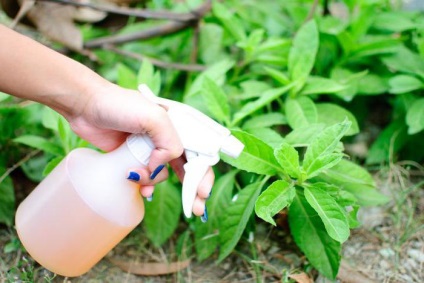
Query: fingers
x,y
143,177
147,192
199,206
205,186
203,193
165,138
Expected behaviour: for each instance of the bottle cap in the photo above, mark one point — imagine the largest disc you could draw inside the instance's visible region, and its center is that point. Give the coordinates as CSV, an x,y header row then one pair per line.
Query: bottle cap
x,y
232,147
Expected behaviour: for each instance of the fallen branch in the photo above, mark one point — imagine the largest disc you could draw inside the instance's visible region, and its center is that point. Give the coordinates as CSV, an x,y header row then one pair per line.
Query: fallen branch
x,y
161,30
156,62
134,12
165,29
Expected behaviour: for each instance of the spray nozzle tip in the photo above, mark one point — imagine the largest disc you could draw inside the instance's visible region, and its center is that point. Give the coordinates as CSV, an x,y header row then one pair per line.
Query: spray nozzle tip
x,y
232,147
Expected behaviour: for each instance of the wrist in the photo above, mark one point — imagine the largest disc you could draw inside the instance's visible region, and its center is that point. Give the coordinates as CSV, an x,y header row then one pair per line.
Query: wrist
x,y
75,101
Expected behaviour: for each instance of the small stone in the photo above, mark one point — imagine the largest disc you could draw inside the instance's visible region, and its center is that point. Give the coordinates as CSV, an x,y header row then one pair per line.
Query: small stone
x,y
387,252
416,254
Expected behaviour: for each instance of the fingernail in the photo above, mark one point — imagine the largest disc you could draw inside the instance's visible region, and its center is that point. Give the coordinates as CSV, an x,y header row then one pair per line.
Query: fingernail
x,y
204,217
156,171
133,176
210,193
149,199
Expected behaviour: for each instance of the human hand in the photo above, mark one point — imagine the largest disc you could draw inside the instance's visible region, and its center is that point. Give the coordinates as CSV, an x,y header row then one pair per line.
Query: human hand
x,y
97,110
112,113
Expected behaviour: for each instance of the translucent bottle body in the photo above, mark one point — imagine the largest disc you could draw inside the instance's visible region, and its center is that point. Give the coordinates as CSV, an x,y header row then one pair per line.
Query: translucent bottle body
x,y
81,210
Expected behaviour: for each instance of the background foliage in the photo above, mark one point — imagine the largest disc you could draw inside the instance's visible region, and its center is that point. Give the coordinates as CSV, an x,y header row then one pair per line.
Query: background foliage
x,y
300,83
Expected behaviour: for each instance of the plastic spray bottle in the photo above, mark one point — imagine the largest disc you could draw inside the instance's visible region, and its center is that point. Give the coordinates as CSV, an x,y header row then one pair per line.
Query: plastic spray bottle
x,y
86,206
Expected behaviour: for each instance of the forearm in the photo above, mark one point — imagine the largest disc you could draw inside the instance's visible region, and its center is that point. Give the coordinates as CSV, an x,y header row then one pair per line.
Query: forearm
x,y
32,71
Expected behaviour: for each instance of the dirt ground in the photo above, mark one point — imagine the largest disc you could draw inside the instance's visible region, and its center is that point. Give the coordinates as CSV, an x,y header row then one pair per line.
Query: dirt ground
x,y
389,247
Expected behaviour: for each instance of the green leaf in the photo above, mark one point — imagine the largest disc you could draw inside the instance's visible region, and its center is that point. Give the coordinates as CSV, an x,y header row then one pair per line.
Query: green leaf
x,y
404,83
52,164
319,154
415,117
346,41
231,22
375,46
352,217
302,137
330,114
274,199
393,22
388,142
3,96
127,78
363,21
257,156
350,80
404,60
216,100
253,89
265,120
322,163
329,211
50,119
354,179
277,75
211,47
216,73
65,134
310,235
147,75
372,84
303,52
238,214
7,202
331,25
206,235
318,85
288,157
162,214
251,43
40,143
267,135
274,44
300,112
266,98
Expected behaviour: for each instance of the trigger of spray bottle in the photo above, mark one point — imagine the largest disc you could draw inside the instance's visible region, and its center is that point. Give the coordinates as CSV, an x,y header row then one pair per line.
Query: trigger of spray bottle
x,y
202,138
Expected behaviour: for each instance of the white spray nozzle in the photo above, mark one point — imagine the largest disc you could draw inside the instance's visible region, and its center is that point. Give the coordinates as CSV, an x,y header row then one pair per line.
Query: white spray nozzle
x,y
202,139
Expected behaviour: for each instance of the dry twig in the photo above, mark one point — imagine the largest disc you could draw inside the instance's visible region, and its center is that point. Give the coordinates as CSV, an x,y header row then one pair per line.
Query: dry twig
x,y
156,62
161,30
19,163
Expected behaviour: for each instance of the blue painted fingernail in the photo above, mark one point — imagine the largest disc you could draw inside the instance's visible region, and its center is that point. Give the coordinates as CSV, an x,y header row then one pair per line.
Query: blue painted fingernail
x,y
149,199
156,171
204,217
133,176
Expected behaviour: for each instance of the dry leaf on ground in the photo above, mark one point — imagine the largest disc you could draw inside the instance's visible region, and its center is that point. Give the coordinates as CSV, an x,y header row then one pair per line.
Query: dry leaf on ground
x,y
150,268
301,278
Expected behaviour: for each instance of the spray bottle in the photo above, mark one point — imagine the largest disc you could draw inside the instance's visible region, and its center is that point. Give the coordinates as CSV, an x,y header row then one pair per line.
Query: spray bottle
x,y
85,206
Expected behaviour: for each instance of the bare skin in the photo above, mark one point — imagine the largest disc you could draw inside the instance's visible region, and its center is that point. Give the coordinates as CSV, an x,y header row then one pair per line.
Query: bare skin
x,y
94,107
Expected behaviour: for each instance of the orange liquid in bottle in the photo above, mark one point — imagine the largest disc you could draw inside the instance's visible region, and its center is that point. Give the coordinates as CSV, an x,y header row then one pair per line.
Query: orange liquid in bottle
x,y
80,211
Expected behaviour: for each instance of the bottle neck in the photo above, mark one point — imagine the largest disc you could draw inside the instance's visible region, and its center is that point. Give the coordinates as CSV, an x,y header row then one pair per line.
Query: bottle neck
x,y
136,150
